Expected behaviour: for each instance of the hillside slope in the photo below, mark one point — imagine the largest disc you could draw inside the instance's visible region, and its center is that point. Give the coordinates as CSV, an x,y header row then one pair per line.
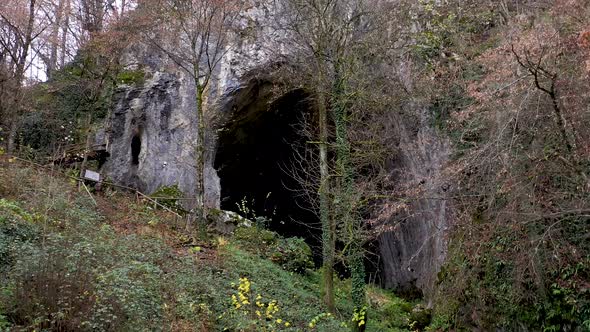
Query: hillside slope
x,y
107,262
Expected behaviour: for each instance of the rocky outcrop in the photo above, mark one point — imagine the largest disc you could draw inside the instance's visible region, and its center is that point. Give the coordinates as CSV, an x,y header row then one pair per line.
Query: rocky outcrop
x,y
152,130
153,127
151,136
413,252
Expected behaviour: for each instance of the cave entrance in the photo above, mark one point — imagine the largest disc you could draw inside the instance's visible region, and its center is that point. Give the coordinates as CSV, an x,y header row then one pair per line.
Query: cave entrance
x,y
255,152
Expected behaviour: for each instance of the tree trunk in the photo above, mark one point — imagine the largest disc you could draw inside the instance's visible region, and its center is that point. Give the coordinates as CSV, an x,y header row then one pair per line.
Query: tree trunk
x,y
200,158
19,75
328,227
345,206
54,42
64,34
561,124
10,142
14,117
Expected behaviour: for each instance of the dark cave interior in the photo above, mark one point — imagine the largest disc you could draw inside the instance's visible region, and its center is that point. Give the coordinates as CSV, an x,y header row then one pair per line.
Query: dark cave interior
x,y
135,149
254,154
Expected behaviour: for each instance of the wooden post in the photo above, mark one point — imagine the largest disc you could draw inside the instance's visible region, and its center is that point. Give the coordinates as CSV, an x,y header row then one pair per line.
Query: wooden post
x,y
87,146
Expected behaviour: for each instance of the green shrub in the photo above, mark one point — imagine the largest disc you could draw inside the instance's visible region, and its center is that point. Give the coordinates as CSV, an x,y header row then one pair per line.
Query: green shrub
x,y
169,197
51,288
419,318
16,228
396,311
86,278
61,107
4,323
506,295
255,238
446,27
128,298
251,311
296,295
293,254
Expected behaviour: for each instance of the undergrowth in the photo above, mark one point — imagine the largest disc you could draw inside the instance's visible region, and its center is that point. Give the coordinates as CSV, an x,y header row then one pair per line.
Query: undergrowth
x,y
70,262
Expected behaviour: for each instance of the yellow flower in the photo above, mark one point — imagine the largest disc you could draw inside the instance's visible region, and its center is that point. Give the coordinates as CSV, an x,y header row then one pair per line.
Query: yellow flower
x,y
244,286
279,321
287,324
258,313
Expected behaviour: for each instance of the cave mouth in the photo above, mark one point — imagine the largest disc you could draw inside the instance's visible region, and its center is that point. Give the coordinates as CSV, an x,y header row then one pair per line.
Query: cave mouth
x,y
254,154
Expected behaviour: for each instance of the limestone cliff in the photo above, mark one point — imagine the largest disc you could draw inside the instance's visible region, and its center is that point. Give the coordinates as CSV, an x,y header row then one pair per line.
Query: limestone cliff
x,y
152,129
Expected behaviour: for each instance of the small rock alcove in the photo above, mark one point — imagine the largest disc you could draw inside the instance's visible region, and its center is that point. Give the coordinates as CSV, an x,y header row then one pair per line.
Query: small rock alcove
x,y
255,153
135,149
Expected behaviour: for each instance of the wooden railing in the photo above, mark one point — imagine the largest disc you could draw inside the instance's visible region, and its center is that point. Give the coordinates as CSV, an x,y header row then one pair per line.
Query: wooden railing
x,y
81,181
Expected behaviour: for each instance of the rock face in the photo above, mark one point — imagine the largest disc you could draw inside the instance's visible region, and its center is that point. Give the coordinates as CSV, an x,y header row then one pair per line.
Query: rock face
x,y
413,253
151,135
151,130
153,127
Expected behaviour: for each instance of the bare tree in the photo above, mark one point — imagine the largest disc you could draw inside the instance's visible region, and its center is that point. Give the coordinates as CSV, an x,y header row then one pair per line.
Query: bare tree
x,y
333,46
21,24
540,73
315,32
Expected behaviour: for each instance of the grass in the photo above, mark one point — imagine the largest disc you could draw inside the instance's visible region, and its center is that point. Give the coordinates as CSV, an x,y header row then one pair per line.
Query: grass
x,y
109,263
